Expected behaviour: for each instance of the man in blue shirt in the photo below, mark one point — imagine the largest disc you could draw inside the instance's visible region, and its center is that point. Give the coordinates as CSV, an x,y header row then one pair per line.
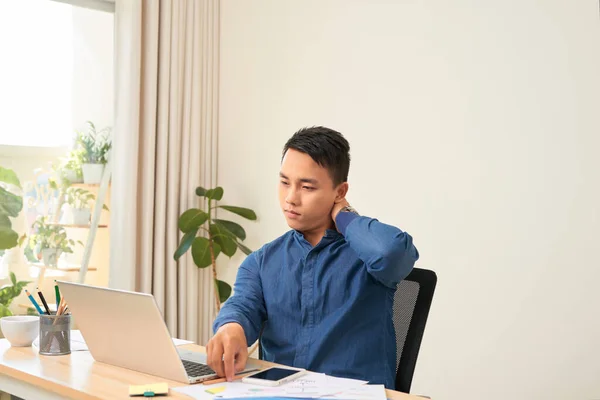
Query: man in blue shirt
x,y
322,293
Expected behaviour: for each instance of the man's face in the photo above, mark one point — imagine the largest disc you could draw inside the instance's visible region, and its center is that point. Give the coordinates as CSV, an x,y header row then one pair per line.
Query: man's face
x,y
306,192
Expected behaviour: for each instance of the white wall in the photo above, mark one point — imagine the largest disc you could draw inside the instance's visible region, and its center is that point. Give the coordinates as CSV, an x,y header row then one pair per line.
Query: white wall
x,y
473,125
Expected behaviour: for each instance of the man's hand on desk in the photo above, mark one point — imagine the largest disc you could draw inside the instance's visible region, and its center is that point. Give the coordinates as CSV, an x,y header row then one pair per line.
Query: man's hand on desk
x,y
228,350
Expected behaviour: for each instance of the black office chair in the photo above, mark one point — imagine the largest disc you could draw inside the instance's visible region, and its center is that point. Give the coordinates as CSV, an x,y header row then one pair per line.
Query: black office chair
x,y
411,308
412,302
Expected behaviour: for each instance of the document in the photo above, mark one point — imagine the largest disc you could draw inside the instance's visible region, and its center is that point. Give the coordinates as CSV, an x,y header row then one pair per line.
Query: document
x,y
309,386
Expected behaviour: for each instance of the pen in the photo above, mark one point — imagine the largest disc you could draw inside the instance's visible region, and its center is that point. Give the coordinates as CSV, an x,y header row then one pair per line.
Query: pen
x,y
57,292
35,304
43,301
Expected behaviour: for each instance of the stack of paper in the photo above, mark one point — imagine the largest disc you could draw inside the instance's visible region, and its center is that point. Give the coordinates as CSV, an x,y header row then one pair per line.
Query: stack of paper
x,y
309,386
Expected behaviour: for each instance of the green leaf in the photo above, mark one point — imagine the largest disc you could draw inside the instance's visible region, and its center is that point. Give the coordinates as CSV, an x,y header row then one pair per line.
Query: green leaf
x,y
200,191
4,311
243,248
8,238
5,221
185,244
201,252
10,204
224,290
192,219
215,194
241,211
9,176
13,278
235,229
225,242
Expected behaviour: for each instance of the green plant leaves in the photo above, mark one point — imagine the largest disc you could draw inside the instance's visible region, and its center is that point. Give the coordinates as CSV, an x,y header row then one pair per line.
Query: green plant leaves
x,y
201,252
8,238
4,311
185,244
241,211
10,204
235,229
224,290
243,248
9,176
215,194
192,219
225,242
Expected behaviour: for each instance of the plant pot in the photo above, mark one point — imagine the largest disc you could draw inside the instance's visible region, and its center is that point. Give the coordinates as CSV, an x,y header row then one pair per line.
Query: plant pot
x,y
71,176
92,173
50,257
80,216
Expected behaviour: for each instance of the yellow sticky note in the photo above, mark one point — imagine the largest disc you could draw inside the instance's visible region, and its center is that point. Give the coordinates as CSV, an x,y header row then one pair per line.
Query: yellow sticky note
x,y
216,390
156,389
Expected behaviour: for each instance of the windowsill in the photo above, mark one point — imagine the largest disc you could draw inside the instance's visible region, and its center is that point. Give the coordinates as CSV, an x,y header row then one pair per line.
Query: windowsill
x,y
27,151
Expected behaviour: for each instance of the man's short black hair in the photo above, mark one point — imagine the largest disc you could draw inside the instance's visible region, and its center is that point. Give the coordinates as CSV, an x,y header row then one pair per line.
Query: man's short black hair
x,y
326,147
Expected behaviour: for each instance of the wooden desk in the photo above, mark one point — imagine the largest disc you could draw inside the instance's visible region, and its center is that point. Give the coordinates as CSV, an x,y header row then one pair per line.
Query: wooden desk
x,y
28,375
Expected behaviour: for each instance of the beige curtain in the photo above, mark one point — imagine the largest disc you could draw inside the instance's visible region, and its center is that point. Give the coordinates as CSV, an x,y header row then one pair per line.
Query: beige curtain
x,y
165,144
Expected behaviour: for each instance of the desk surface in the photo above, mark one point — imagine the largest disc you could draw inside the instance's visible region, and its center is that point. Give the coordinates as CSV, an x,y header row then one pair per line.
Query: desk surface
x,y
78,376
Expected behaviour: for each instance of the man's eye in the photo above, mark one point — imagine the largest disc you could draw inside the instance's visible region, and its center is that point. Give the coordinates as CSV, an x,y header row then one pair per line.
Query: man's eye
x,y
284,183
308,188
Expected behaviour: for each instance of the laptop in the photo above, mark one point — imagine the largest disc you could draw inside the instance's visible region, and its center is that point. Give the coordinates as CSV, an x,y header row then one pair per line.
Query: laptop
x,y
126,329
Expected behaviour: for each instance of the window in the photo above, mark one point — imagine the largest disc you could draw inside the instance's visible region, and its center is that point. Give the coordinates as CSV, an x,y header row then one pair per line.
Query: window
x,y
36,73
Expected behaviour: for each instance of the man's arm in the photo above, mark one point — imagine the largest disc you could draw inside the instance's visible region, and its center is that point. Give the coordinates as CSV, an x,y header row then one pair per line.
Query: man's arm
x,y
239,321
246,306
388,253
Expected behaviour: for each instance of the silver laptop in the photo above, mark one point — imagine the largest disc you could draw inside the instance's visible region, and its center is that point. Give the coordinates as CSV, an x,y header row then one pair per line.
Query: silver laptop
x,y
126,329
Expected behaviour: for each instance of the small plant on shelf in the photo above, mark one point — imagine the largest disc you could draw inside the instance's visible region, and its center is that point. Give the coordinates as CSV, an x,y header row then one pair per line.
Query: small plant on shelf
x,y
80,201
95,145
50,241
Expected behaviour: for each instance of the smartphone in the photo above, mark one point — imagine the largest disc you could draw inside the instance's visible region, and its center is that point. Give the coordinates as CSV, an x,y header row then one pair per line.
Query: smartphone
x,y
274,376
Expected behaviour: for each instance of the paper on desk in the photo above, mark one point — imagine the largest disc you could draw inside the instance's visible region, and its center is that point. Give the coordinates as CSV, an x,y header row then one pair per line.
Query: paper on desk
x,y
365,392
310,385
78,342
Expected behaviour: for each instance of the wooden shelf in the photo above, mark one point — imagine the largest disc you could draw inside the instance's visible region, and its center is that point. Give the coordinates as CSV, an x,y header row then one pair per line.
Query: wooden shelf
x,y
78,226
64,268
87,185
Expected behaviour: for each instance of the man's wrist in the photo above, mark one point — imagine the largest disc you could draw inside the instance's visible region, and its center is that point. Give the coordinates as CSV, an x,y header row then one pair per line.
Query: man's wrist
x,y
350,209
343,219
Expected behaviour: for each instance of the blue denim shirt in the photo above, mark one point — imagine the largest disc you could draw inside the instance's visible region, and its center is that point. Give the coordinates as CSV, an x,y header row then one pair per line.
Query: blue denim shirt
x,y
326,308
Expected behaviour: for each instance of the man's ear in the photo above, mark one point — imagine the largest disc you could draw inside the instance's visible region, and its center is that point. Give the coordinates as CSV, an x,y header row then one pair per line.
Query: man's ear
x,y
341,192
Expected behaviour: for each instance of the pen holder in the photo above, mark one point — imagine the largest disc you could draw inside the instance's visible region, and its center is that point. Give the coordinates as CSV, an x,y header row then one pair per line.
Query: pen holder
x,y
55,334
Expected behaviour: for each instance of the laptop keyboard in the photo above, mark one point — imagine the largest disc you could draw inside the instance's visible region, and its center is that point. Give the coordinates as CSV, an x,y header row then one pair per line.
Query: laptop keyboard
x,y
195,369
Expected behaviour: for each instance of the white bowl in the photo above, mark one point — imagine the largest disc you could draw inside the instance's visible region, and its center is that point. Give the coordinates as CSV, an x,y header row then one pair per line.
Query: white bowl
x,y
20,330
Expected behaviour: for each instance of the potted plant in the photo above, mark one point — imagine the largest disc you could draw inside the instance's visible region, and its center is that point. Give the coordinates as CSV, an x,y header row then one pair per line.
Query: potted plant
x,y
50,241
208,236
9,292
79,200
70,167
95,146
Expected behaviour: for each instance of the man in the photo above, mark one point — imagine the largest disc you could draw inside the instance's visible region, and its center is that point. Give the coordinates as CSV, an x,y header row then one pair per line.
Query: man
x,y
322,293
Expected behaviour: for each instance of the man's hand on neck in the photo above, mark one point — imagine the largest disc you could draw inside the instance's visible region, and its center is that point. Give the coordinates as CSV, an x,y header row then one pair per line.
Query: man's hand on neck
x,y
337,206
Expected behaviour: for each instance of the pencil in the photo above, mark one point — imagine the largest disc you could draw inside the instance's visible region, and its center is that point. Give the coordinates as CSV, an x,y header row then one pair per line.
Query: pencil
x,y
43,301
35,303
57,293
